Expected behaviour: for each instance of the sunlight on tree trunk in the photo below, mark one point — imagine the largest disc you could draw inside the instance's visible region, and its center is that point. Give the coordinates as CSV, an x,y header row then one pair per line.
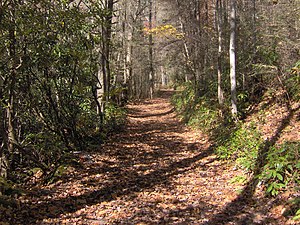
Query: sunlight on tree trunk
x,y
219,18
232,55
151,67
104,74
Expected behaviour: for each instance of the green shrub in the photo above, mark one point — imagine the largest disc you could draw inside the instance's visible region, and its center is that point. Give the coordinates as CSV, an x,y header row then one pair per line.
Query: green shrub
x,y
40,154
292,208
297,215
267,55
203,117
115,117
196,111
185,99
282,168
241,146
293,83
8,187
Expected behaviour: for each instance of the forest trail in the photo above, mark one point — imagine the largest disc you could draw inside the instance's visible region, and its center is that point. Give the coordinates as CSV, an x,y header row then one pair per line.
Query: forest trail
x,y
157,171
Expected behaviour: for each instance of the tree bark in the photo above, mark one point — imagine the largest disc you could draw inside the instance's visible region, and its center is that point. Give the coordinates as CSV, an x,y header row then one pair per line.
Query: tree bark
x,y
232,56
3,141
104,74
187,53
219,23
151,67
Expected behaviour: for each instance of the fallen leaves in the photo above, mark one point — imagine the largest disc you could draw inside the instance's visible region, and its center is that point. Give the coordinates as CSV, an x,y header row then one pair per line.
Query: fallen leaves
x,y
157,172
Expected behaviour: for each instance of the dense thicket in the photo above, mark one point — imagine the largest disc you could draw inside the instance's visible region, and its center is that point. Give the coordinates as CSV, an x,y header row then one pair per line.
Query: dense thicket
x,y
52,53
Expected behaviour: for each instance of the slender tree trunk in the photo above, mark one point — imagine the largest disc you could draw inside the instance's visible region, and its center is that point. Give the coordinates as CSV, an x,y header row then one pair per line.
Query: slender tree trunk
x,y
164,78
219,23
107,34
100,93
128,60
185,46
127,45
9,137
151,67
104,74
254,28
128,35
3,141
232,56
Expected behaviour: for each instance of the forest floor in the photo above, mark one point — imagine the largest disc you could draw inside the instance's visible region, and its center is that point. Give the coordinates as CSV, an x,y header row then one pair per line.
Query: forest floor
x,y
156,171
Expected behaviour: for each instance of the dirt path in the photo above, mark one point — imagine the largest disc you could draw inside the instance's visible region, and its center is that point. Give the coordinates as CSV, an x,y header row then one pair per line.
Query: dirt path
x,y
156,172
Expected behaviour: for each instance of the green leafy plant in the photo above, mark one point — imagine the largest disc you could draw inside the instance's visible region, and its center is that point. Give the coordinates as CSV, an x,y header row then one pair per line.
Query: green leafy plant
x,y
282,168
184,99
241,147
238,180
8,187
268,55
196,111
292,209
297,215
203,116
115,117
293,83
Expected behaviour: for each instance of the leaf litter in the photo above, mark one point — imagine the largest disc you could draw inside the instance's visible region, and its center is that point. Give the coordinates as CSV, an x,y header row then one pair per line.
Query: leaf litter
x,y
158,171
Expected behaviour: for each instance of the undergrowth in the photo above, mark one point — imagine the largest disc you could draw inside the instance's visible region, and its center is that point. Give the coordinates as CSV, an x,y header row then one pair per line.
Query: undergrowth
x,y
115,118
282,169
293,83
241,144
197,112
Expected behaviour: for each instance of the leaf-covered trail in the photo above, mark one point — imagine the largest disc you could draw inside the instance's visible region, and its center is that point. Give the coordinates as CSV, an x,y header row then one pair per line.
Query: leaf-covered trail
x,y
157,171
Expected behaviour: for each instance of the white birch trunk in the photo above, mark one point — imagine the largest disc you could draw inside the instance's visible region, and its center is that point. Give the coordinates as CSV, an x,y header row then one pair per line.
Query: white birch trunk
x,y
219,23
151,72
232,56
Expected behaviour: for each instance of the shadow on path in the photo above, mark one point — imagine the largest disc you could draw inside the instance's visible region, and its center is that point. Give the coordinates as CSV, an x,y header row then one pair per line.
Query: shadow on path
x,y
234,211
152,140
152,115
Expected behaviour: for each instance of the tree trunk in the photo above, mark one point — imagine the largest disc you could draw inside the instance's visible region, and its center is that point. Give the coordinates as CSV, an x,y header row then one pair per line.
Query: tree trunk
x,y
232,56
100,93
164,77
187,56
254,29
127,40
3,141
107,43
219,23
151,67
104,74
